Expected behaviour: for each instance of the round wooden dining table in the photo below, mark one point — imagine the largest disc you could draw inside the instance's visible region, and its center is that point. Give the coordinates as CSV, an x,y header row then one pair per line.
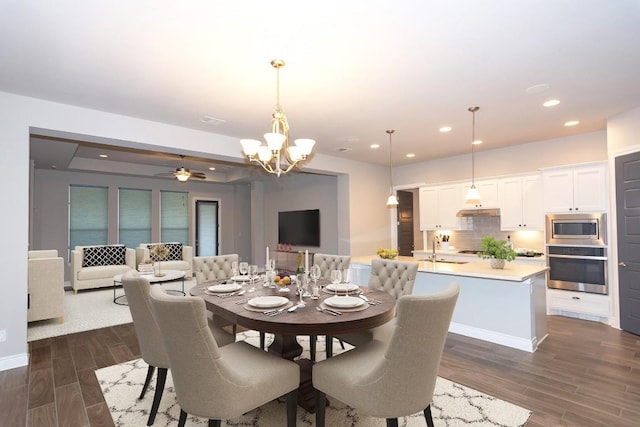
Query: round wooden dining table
x,y
306,320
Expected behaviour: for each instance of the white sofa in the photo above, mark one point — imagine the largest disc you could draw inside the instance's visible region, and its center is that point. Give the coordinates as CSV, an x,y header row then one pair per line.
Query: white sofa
x,y
95,266
45,286
180,257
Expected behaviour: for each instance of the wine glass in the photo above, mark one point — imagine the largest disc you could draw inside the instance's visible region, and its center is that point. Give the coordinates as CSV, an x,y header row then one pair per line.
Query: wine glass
x,y
336,276
315,275
253,274
234,269
300,279
244,268
345,279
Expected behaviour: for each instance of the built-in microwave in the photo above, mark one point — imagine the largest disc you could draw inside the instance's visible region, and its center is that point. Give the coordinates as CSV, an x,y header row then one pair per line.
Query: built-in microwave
x,y
576,229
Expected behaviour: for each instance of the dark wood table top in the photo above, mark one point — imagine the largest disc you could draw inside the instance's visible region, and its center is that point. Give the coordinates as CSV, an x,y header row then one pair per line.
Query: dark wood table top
x,y
305,320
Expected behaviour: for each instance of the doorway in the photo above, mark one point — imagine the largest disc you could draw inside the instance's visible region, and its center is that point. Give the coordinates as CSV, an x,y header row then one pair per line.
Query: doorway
x,y
405,223
207,226
628,219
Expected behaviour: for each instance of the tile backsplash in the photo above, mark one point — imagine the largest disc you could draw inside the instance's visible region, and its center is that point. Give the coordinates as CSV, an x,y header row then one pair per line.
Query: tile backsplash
x,y
475,228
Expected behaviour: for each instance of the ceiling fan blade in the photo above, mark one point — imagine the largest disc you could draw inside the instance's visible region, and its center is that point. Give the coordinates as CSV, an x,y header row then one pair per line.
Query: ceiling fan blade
x,y
166,175
198,175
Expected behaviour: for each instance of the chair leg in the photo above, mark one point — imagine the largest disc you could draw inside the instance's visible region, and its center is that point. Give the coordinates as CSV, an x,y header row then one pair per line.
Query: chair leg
x,y
341,343
234,329
147,380
215,423
157,396
428,417
329,346
312,347
262,339
292,408
321,403
392,422
183,418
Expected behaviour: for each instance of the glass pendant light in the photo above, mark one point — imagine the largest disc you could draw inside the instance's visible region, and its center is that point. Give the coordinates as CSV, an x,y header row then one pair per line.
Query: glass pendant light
x,y
392,200
473,196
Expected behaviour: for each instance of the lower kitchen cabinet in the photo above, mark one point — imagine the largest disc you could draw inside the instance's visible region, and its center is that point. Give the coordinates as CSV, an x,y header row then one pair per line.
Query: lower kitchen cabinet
x,y
581,305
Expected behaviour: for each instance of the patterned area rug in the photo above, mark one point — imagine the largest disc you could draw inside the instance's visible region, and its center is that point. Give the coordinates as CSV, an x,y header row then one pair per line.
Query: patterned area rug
x,y
453,404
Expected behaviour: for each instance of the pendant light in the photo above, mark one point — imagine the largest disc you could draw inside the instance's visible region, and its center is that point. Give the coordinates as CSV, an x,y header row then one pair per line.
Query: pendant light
x,y
392,200
473,196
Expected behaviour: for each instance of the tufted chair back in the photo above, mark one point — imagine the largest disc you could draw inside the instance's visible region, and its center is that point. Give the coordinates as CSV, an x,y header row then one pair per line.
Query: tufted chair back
x,y
207,268
328,262
393,277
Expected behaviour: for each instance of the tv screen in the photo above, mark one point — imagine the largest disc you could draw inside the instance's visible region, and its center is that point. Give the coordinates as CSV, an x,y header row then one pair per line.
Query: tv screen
x,y
300,228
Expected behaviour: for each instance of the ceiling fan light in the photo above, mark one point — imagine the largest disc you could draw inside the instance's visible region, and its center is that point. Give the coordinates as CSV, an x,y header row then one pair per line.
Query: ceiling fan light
x,y
182,175
473,196
250,146
274,140
305,145
392,200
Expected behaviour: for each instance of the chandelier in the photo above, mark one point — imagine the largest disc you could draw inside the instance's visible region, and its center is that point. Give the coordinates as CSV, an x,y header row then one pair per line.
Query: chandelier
x,y
277,156
473,195
392,200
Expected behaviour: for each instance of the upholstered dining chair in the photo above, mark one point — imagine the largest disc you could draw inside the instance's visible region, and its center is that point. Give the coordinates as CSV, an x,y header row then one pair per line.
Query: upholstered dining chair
x,y
218,382
136,289
393,277
327,262
395,378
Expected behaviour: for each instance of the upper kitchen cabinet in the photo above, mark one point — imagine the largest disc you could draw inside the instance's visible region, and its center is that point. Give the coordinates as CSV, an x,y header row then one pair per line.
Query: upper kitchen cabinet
x,y
575,189
521,203
439,205
488,189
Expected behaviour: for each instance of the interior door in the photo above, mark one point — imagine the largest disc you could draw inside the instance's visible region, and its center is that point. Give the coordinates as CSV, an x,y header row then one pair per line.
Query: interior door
x,y
207,243
405,223
628,219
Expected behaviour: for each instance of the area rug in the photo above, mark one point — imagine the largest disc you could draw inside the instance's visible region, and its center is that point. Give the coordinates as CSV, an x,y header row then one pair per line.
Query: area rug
x,y
453,404
88,310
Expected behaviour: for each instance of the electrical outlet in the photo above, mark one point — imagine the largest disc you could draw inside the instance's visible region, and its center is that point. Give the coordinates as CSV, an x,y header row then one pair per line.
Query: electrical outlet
x,y
3,335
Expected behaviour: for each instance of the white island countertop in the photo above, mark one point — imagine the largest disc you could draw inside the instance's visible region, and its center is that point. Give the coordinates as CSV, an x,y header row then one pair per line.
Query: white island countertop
x,y
480,269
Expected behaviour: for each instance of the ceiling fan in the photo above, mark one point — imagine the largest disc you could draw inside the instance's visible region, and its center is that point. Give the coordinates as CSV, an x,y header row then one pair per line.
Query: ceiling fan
x,y
183,174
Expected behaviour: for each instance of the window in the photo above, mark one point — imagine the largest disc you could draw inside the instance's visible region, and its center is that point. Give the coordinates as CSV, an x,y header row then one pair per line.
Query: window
x,y
174,217
134,217
88,216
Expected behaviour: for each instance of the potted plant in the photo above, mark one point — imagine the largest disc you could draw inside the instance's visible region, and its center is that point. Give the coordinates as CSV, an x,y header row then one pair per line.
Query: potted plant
x,y
497,251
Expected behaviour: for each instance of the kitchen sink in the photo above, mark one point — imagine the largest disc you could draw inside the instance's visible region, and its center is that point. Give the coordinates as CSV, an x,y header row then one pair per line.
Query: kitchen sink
x,y
445,261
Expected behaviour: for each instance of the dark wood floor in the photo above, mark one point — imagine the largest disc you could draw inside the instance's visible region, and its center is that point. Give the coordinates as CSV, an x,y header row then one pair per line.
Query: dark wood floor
x,y
584,374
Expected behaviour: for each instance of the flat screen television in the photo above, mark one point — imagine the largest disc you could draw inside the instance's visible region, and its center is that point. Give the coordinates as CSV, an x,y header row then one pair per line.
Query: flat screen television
x,y
299,228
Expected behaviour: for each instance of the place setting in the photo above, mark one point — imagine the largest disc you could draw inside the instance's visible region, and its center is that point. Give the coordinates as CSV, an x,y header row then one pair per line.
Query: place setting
x,y
270,305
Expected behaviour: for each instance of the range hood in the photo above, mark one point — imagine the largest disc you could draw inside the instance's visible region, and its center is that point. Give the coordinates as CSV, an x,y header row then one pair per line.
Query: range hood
x,y
478,212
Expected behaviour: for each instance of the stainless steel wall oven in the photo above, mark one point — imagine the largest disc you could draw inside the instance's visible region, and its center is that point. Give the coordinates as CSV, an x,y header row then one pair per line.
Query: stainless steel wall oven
x,y
577,252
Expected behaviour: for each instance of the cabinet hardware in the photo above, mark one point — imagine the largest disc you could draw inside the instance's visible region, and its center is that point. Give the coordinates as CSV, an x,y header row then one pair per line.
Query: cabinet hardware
x,y
622,264
575,297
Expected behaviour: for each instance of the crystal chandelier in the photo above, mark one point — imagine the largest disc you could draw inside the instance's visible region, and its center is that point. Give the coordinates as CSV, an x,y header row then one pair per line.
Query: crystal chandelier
x,y
277,156
392,200
473,195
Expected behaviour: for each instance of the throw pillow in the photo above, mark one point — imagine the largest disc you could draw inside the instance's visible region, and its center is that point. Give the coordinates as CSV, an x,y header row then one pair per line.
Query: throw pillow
x,y
175,252
104,255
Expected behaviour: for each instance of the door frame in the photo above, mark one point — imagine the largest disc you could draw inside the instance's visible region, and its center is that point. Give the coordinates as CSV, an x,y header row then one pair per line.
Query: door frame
x,y
393,213
192,231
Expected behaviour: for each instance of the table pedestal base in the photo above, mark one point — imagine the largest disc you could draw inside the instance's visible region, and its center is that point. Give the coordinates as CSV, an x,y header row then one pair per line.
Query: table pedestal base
x,y
285,346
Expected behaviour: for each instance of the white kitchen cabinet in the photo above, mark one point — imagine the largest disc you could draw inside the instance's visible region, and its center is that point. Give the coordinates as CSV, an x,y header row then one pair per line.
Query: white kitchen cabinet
x,y
439,205
488,189
521,203
578,304
575,189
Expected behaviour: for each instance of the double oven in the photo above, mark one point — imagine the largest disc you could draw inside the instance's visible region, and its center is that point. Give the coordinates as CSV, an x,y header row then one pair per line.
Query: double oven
x,y
577,252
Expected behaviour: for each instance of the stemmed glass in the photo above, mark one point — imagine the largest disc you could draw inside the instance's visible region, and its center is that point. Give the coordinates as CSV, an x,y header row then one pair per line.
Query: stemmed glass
x,y
336,276
234,270
244,268
300,279
345,279
315,275
253,275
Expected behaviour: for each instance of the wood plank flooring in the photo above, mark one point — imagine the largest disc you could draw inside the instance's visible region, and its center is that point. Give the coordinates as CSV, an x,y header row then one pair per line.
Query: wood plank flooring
x,y
585,374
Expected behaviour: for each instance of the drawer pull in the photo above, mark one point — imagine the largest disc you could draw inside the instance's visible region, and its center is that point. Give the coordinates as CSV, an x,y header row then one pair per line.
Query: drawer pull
x,y
575,297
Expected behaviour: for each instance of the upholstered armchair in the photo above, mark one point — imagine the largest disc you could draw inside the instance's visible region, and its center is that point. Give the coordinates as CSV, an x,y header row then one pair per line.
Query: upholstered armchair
x,y
207,268
393,277
180,257
45,286
216,382
395,378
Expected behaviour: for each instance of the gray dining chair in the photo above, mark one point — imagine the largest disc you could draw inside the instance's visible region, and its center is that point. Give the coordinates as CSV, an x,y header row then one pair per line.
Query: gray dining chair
x,y
218,382
327,262
395,378
393,277
136,289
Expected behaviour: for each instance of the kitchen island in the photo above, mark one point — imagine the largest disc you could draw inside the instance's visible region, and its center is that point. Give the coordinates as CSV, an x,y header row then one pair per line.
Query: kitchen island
x,y
506,307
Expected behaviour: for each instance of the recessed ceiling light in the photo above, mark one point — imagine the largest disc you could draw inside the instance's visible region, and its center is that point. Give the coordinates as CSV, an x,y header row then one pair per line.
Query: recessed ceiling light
x,y
374,146
537,88
411,155
104,156
445,129
477,142
212,168
212,120
571,123
551,103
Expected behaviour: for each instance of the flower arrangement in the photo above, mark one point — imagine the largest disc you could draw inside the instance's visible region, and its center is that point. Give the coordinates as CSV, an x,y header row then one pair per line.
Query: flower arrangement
x,y
496,250
159,252
387,253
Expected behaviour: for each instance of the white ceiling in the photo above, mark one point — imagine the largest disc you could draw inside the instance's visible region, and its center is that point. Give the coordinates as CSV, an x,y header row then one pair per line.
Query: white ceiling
x,y
354,68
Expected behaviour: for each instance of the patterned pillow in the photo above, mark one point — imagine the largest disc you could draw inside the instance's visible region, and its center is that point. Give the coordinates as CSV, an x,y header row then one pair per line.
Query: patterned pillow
x,y
175,252
103,255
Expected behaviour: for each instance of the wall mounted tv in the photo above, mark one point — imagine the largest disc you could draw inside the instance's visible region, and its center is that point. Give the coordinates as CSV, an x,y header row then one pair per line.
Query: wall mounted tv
x,y
299,228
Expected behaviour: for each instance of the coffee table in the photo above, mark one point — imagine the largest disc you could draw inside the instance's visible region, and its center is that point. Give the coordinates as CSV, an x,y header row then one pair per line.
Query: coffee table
x,y
167,276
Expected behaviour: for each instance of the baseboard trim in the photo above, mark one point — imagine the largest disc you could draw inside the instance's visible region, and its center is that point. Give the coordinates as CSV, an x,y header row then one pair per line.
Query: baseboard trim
x,y
15,361
518,343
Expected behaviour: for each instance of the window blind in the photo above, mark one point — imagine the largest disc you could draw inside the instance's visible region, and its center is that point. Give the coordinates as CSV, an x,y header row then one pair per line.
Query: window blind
x,y
134,217
88,216
174,217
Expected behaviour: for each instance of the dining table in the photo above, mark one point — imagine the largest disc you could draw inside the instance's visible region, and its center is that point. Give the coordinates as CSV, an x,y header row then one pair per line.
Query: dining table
x,y
304,320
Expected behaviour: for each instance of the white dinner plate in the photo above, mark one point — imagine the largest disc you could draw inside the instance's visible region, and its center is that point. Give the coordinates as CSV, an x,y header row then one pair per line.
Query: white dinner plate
x,y
344,302
267,302
225,287
342,287
241,278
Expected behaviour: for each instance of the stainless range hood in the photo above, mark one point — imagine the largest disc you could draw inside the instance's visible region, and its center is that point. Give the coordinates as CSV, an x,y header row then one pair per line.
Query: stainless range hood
x,y
478,212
